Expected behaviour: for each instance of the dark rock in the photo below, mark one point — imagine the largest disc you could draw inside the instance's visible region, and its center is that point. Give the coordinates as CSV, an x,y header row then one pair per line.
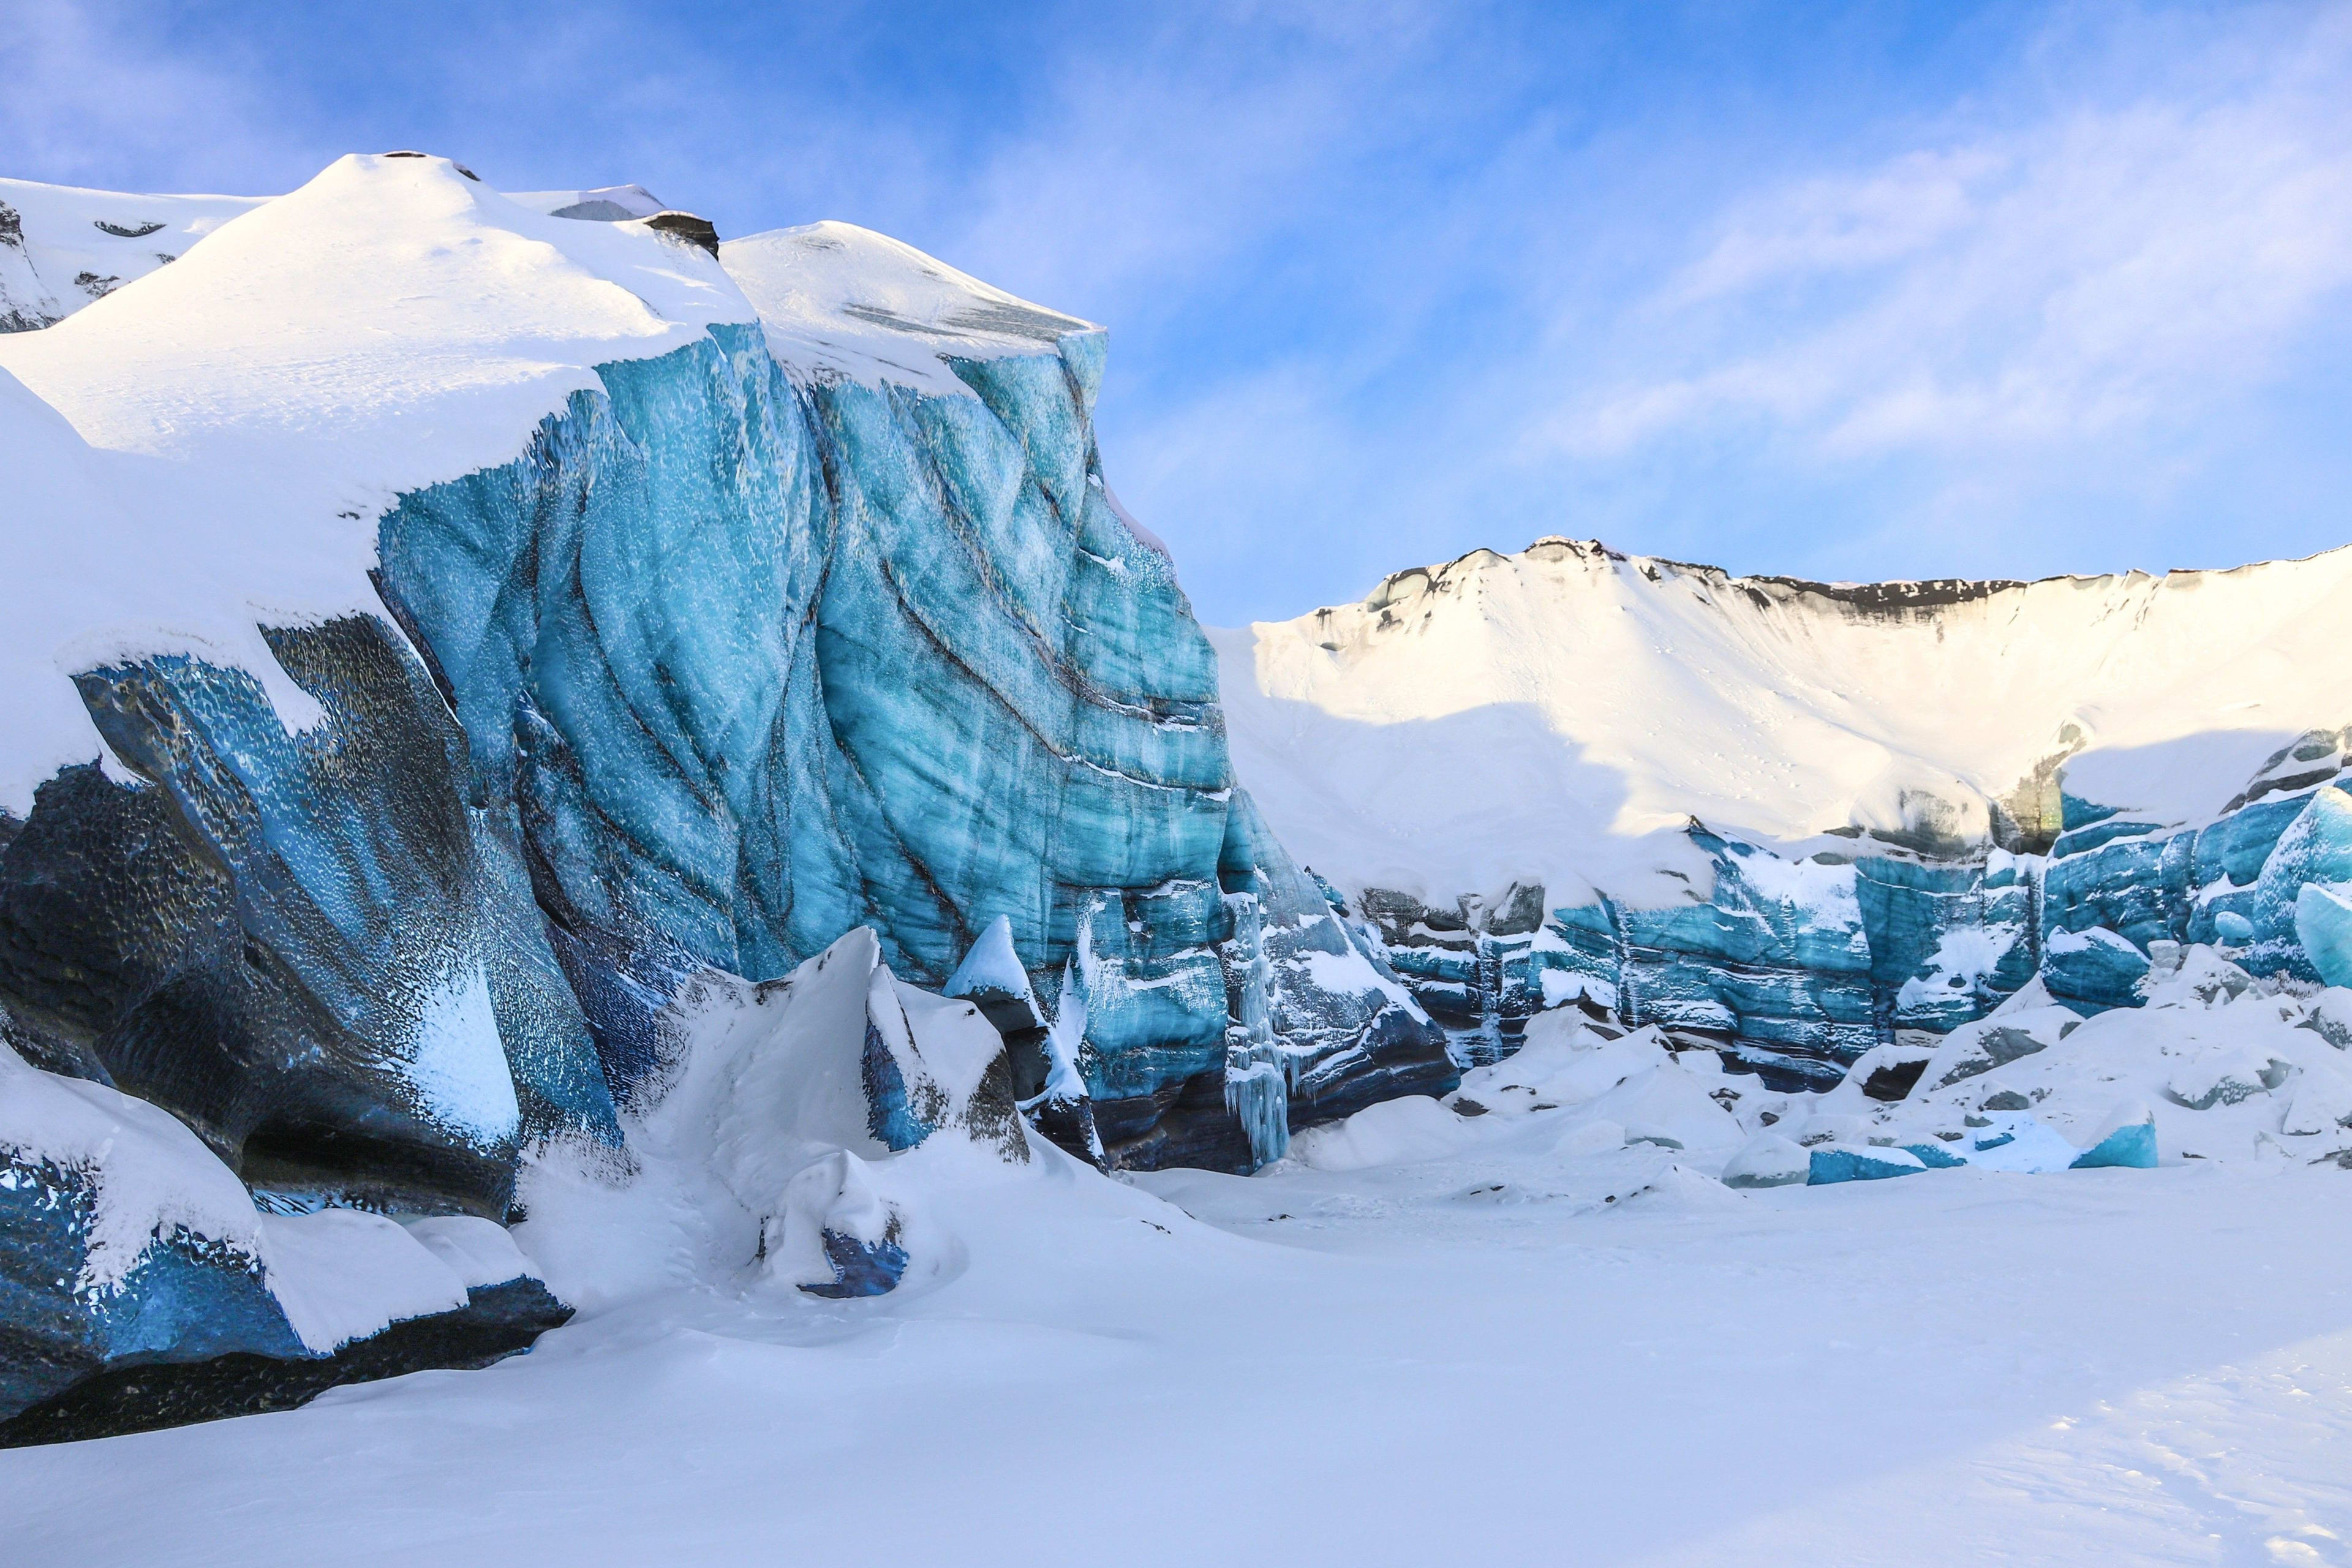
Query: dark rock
x,y
699,232
1894,1080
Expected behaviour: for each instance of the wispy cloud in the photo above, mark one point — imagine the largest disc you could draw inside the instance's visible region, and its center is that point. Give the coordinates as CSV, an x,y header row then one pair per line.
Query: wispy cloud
x,y
2100,272
92,89
1843,288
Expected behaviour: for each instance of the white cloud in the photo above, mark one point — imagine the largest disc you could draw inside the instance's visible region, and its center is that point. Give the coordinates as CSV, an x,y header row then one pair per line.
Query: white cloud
x,y
89,92
2100,272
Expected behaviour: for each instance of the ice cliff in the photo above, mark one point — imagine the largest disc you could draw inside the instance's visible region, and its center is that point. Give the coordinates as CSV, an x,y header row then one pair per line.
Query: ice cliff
x,y
448,634
1801,821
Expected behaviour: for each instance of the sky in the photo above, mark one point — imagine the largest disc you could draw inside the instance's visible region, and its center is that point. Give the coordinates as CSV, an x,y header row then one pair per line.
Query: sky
x,y
1843,292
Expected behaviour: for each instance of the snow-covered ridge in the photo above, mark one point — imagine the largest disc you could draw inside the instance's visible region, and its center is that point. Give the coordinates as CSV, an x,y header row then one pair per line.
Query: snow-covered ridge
x,y
1557,715
220,435
61,248
842,301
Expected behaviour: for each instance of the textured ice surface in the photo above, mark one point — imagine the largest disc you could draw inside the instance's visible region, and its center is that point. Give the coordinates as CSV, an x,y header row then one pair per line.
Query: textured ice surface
x,y
448,638
124,1243
745,651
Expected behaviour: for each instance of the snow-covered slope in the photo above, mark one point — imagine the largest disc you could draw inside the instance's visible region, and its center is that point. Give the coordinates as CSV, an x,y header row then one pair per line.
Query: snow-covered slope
x,y
254,408
61,248
1557,715
842,301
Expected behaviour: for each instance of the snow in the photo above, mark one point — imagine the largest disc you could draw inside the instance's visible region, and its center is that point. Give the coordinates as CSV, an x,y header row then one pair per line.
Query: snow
x,y
75,245
1413,1128
1768,1160
949,1037
1620,1361
476,1251
845,301
1557,715
992,965
1586,1308
238,420
1622,1351
150,1172
340,1275
458,1065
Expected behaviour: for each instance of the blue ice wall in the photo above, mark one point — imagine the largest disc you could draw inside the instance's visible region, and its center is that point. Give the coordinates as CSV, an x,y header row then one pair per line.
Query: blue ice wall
x,y
1798,969
728,662
745,660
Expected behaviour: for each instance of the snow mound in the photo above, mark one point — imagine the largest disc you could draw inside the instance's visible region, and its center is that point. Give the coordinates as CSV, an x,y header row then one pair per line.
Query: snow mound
x,y
846,303
239,419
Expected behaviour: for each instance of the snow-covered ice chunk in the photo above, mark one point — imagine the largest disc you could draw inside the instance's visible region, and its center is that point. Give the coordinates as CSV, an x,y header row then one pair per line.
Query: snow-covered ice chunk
x,y
1563,1063
478,1252
2130,1144
2323,924
2019,1142
150,1176
2329,1015
2321,1101
1994,1042
991,975
2223,1073
837,1235
1768,1160
342,1275
1671,1108
842,300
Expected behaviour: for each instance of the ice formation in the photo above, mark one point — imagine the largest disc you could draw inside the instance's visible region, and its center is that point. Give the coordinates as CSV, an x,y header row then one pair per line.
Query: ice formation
x,y
450,633
2213,1065
1802,821
515,711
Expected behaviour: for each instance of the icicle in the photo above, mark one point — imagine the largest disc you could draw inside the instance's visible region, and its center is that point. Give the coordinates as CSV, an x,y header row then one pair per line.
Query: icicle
x,y
1258,1071
1066,1086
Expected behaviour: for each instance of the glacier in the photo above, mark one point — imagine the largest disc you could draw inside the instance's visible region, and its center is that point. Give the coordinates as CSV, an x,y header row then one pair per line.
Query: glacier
x,y
639,761
616,618
1801,822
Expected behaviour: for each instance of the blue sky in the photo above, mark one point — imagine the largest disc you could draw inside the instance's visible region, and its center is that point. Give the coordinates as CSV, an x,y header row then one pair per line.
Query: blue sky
x,y
1849,292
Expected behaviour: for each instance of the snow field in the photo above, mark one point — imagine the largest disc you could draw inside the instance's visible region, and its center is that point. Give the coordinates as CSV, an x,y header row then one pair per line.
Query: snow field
x,y
1547,1333
1381,1366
